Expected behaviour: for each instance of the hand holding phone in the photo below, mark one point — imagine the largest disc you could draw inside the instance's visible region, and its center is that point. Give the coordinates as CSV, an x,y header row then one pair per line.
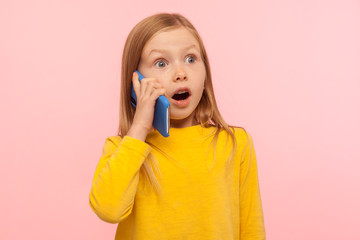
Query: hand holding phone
x,y
161,121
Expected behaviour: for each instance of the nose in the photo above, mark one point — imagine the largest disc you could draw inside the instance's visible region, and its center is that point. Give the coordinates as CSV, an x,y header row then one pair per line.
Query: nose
x,y
180,75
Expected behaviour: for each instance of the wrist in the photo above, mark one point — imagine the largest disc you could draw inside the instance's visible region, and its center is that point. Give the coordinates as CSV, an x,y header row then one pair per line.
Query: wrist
x,y
138,132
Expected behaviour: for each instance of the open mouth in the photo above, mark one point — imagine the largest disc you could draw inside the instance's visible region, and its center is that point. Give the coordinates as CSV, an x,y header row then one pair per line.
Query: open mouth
x,y
181,94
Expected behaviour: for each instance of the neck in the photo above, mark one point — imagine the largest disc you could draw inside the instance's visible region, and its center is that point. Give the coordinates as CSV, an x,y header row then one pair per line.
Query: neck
x,y
182,123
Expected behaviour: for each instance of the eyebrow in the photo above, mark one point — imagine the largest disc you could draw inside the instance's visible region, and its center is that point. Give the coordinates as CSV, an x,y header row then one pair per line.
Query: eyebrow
x,y
164,50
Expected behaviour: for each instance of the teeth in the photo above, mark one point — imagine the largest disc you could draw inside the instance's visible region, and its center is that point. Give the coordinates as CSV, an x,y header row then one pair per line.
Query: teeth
x,y
180,92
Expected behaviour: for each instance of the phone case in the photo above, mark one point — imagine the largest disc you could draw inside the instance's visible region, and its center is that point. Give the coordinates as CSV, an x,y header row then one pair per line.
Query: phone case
x,y
161,120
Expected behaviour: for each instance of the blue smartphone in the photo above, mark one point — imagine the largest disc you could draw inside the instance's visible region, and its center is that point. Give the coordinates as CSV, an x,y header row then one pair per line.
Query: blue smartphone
x,y
161,120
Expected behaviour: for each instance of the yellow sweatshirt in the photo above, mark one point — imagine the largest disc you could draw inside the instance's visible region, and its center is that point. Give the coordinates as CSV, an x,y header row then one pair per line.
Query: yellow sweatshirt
x,y
202,199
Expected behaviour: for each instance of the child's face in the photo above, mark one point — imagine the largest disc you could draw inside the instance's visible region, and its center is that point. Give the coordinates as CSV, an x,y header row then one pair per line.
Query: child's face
x,y
173,58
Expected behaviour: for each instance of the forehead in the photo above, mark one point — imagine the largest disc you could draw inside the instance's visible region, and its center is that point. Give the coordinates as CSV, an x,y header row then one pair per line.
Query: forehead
x,y
171,39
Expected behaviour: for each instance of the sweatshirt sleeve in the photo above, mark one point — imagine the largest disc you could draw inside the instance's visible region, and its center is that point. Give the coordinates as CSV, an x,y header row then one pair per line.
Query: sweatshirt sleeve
x,y
116,178
251,213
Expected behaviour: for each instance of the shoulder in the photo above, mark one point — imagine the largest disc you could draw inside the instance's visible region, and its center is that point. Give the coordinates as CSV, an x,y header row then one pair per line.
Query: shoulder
x,y
112,142
240,133
242,136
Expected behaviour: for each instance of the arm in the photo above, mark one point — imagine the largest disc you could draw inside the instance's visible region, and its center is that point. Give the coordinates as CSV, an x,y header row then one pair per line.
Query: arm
x,y
251,213
116,178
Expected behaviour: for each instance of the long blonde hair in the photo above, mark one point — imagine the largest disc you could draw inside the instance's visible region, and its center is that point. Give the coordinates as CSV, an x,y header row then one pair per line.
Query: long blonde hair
x,y
206,113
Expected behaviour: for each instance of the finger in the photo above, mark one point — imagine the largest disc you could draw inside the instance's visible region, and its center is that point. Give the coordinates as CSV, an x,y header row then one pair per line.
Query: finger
x,y
157,93
147,86
154,84
157,85
136,83
143,86
151,80
148,89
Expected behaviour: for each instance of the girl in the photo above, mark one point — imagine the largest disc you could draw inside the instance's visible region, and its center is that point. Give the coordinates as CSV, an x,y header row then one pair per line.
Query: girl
x,y
200,182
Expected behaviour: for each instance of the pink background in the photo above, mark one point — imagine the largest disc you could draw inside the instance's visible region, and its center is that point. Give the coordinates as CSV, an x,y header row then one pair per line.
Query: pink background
x,y
287,71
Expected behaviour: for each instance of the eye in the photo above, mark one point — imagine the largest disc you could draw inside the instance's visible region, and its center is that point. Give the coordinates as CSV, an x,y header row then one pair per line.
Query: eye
x,y
191,59
160,63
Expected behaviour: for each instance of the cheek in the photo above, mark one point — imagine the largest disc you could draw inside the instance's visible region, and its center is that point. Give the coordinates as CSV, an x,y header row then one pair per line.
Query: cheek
x,y
163,83
201,81
164,80
201,76
199,88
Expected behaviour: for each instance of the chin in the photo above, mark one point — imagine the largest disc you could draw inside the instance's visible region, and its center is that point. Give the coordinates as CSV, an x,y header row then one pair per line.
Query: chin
x,y
179,116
